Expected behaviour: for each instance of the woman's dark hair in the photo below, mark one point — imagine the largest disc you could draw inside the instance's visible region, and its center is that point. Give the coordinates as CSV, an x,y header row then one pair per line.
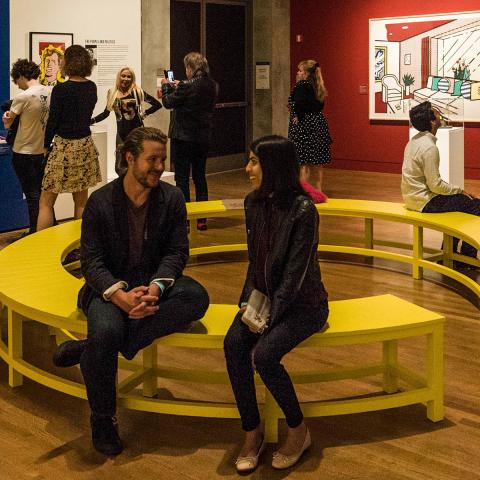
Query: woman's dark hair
x,y
280,170
421,117
24,68
77,62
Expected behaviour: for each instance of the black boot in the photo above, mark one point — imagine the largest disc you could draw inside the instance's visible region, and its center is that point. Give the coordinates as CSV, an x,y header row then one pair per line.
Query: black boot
x,y
68,353
105,436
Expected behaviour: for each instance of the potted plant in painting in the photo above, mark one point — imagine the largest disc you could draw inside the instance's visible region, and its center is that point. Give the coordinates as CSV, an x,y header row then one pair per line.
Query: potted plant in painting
x,y
408,80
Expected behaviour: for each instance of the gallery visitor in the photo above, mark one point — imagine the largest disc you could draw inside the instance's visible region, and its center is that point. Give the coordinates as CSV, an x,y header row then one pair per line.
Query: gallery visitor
x,y
126,99
308,128
72,163
283,270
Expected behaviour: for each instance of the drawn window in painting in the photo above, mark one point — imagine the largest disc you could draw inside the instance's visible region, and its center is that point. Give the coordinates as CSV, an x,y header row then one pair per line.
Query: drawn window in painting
x,y
380,66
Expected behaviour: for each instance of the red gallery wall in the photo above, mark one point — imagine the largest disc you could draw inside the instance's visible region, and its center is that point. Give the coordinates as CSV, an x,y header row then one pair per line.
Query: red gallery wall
x,y
335,32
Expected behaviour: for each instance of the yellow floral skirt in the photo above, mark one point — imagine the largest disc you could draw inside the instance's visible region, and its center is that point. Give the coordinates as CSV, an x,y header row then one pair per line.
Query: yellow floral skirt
x,y
72,166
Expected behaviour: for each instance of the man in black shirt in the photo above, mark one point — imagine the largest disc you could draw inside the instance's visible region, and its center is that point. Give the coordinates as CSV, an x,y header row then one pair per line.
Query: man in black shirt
x,y
134,247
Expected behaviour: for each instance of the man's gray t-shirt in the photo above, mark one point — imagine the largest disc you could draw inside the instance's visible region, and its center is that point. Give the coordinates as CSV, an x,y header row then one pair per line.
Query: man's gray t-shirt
x,y
32,104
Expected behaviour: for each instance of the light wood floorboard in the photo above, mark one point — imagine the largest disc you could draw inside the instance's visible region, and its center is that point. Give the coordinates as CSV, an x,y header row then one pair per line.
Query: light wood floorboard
x,y
45,434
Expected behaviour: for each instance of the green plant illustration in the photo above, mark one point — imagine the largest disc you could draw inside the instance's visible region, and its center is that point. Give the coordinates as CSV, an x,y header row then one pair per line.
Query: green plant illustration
x,y
408,79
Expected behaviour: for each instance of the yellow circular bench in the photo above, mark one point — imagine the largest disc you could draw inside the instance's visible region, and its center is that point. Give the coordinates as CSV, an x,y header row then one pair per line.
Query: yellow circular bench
x,y
34,286
453,224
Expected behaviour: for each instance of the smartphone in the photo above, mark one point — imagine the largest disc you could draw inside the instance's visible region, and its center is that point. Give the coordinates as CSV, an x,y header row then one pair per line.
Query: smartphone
x,y
169,75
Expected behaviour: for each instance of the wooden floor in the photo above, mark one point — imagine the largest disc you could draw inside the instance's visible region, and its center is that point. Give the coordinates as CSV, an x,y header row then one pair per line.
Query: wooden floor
x,y
45,434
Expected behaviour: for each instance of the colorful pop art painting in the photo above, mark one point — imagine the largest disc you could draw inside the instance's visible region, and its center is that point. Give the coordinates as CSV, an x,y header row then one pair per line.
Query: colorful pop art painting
x,y
435,58
47,50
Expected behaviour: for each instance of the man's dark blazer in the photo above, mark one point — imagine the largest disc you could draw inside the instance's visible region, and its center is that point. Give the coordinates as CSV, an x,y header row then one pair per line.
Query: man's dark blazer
x,y
104,249
192,102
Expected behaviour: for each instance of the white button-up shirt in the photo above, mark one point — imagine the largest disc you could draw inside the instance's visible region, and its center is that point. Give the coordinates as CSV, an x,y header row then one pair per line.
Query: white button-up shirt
x,y
421,179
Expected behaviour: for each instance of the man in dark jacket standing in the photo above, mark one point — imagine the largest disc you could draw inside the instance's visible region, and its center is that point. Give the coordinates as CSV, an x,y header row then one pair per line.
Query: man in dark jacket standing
x,y
134,247
192,102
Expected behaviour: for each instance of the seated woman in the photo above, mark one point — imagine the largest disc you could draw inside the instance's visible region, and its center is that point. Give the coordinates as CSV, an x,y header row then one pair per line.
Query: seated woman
x,y
126,99
282,238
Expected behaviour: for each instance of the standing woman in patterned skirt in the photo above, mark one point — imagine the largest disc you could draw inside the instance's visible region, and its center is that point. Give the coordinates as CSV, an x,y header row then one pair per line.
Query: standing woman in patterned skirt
x,y
72,164
308,128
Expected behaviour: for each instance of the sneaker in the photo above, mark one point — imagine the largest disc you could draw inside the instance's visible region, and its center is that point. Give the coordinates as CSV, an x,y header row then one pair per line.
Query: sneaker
x,y
105,436
68,353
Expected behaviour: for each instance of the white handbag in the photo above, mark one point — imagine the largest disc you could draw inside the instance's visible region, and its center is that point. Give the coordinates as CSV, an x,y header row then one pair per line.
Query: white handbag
x,y
257,313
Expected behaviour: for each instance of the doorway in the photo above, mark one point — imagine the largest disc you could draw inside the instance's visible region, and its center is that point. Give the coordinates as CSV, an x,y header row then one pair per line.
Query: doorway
x,y
219,29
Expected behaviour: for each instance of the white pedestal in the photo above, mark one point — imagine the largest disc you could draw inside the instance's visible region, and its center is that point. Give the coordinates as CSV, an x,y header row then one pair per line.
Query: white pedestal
x,y
64,203
450,143
169,177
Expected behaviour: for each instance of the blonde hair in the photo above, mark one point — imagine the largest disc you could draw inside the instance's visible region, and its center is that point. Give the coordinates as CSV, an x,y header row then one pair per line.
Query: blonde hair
x,y
196,61
314,75
48,52
113,93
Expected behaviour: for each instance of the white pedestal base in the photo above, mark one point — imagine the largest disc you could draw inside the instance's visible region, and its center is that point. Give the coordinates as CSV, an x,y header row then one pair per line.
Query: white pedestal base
x,y
450,143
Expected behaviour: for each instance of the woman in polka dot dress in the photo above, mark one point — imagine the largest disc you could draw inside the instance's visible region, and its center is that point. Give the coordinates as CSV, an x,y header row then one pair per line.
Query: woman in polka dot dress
x,y
308,128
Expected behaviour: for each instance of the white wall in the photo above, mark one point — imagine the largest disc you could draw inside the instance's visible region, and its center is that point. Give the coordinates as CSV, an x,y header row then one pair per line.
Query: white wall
x,y
118,20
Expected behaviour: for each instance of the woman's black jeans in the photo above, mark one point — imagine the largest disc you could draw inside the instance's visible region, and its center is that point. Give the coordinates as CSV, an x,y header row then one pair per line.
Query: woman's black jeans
x,y
245,351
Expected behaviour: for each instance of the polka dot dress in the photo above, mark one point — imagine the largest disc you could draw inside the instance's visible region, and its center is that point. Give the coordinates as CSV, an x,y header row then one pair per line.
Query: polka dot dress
x,y
310,134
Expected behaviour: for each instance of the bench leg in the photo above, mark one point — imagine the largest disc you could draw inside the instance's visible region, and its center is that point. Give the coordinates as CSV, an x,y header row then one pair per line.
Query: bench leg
x,y
15,346
368,243
435,410
149,364
417,271
390,359
271,418
193,236
447,250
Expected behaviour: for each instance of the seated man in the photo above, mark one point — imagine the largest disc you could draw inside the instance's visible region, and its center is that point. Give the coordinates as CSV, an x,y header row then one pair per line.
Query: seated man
x,y
423,189
134,247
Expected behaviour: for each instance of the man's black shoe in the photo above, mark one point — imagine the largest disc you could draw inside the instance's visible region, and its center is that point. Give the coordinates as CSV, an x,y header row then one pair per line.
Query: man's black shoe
x,y
73,256
463,266
68,353
105,436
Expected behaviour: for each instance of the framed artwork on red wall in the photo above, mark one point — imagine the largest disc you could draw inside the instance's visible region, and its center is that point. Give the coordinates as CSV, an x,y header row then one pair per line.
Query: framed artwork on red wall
x,y
428,57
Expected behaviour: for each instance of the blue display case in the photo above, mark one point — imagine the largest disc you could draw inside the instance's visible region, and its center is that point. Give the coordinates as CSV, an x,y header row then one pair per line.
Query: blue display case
x,y
13,206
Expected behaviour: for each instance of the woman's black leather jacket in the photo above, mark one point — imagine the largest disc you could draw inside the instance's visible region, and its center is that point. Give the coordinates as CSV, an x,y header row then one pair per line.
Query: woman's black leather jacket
x,y
291,268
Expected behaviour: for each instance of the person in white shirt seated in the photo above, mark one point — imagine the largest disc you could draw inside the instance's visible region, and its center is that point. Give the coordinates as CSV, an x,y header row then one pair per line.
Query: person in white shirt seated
x,y
423,189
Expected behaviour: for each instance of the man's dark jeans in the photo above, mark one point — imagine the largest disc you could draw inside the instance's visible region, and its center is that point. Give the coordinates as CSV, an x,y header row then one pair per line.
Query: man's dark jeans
x,y
186,155
29,170
455,203
111,331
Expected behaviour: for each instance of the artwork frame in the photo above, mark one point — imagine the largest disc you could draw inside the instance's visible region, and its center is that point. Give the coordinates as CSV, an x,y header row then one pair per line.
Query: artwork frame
x,y
423,52
46,49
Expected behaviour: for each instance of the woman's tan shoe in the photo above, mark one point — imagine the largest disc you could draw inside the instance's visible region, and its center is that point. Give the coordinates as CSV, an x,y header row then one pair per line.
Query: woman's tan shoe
x,y
249,464
281,461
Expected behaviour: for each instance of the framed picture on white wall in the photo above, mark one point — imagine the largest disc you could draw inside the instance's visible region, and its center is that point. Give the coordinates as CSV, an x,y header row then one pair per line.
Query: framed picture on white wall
x,y
47,49
429,57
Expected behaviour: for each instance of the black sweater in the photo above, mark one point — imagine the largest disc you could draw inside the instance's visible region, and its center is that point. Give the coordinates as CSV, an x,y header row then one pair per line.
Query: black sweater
x,y
303,99
71,108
